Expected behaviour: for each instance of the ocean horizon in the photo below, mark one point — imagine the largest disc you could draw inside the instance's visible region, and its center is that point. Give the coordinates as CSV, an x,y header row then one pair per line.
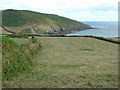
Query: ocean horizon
x,y
104,29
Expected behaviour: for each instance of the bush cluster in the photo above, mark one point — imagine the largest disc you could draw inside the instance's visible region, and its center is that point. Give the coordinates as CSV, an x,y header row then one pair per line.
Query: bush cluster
x,y
17,59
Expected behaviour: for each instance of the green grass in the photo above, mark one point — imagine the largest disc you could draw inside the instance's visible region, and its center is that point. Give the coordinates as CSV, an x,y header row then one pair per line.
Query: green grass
x,y
16,58
28,19
86,49
0,62
22,41
72,62
0,18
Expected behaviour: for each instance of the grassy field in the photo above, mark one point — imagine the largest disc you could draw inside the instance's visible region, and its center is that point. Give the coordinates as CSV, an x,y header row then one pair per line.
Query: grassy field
x,y
0,62
116,39
69,62
20,42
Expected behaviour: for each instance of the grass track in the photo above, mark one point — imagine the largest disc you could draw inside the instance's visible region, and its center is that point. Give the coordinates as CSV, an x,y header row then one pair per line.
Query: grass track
x,y
72,62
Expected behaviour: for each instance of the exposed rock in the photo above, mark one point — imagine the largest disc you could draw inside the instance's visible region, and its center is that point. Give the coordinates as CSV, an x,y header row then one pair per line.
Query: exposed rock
x,y
23,21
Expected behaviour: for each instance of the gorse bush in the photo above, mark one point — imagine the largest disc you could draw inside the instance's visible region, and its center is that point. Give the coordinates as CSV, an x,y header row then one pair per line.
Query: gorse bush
x,y
17,59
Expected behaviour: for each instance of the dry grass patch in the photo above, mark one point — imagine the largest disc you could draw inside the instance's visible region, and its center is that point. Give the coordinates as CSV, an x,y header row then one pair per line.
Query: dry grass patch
x,y
72,62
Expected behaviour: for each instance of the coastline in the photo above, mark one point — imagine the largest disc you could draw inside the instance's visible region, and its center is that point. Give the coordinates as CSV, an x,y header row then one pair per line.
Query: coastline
x,y
64,32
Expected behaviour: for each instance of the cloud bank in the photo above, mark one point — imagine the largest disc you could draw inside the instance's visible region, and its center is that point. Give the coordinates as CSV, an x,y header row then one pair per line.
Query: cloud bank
x,y
81,10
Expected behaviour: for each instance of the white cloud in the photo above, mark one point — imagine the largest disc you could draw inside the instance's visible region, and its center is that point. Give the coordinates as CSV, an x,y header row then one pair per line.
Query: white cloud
x,y
68,8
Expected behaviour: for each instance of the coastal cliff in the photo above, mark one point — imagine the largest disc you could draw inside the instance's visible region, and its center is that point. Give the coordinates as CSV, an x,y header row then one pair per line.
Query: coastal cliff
x,y
24,21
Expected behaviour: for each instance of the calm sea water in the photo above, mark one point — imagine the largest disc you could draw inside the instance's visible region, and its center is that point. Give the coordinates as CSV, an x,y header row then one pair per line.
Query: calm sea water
x,y
107,29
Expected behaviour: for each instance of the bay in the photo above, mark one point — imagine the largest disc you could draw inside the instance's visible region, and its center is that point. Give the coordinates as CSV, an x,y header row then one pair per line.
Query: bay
x,y
104,29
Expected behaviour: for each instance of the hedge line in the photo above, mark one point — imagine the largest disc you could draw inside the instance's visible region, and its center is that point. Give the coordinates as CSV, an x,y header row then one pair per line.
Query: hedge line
x,y
17,59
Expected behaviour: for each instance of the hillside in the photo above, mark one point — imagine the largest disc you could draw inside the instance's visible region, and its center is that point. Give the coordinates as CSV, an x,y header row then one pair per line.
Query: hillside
x,y
23,21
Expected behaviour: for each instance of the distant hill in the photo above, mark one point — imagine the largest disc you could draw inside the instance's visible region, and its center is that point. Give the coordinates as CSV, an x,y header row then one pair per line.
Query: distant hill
x,y
24,21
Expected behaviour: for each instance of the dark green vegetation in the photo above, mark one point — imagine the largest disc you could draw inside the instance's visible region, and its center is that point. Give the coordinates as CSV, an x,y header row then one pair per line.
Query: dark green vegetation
x,y
111,40
0,18
24,21
63,61
71,62
16,58
0,62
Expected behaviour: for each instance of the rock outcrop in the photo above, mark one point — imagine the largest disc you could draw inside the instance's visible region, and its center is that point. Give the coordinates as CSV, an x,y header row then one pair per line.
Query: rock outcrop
x,y
23,21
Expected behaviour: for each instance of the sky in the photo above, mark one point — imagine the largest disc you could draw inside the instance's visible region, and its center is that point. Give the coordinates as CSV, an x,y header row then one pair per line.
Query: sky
x,y
80,10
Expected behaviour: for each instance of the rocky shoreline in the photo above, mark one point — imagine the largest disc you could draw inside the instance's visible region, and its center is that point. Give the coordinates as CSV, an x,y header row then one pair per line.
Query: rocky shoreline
x,y
37,31
63,32
39,23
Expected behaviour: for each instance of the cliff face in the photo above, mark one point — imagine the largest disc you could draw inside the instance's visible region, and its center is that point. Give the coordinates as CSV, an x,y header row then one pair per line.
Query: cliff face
x,y
23,21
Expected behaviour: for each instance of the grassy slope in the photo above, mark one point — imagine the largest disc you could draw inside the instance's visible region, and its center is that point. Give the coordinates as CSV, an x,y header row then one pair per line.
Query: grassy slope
x,y
72,62
16,58
24,18
0,18
20,42
0,62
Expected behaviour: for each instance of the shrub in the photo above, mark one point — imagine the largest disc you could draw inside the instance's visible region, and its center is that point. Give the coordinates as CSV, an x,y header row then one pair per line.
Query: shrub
x,y
17,59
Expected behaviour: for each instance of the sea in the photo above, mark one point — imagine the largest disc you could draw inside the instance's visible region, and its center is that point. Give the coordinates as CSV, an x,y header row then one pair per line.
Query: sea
x,y
104,29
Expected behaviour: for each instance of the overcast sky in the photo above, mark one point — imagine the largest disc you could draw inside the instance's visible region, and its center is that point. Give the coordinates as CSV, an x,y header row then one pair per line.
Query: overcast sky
x,y
81,10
